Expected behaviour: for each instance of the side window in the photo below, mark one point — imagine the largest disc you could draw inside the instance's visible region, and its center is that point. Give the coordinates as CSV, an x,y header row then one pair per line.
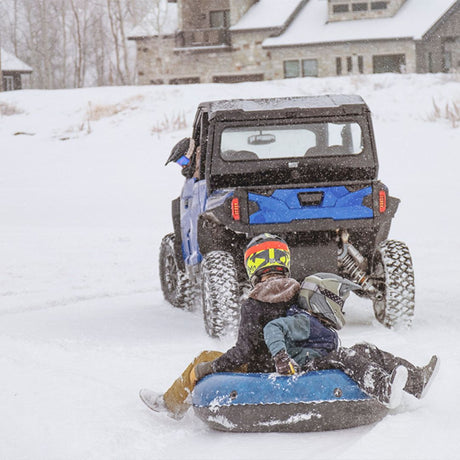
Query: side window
x,y
200,137
195,167
204,144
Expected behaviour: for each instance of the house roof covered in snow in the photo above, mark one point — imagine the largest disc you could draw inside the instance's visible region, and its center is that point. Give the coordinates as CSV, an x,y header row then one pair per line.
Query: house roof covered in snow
x,y
10,63
311,25
267,14
161,20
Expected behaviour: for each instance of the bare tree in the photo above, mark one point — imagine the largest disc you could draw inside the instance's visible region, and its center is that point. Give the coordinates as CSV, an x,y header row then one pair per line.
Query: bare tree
x,y
78,41
40,40
1,73
116,14
73,43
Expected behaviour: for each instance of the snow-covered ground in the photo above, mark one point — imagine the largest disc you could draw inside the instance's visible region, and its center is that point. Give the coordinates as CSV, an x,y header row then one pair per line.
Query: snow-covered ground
x,y
84,202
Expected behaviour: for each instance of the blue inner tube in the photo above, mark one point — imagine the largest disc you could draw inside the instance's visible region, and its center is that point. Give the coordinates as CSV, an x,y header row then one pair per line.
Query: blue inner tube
x,y
314,401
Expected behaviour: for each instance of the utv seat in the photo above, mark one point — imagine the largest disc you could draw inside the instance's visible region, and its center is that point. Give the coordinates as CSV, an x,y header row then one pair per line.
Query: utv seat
x,y
326,151
239,155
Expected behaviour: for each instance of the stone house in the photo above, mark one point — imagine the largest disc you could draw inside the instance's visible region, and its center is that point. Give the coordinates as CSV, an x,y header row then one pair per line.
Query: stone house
x,y
12,71
201,41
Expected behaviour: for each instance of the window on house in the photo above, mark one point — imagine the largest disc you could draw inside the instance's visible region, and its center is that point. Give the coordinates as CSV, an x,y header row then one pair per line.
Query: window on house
x,y
301,68
341,8
379,5
338,65
349,64
447,61
360,64
430,63
8,83
389,63
291,69
309,67
237,78
359,6
219,19
184,81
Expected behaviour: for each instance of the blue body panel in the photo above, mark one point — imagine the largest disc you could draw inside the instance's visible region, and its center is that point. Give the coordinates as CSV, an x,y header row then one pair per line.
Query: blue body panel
x,y
192,204
283,205
218,198
229,389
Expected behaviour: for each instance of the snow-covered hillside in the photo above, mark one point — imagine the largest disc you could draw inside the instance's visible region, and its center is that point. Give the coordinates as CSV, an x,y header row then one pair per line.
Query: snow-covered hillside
x,y
84,202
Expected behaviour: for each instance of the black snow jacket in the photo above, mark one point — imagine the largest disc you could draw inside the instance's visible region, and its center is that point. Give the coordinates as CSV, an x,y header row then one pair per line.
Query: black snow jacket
x,y
267,301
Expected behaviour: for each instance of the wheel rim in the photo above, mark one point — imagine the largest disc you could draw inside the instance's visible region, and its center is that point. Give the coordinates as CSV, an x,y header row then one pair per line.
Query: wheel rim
x,y
380,282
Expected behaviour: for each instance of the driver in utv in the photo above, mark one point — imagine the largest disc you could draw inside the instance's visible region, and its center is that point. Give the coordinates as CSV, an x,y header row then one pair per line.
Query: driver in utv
x,y
274,295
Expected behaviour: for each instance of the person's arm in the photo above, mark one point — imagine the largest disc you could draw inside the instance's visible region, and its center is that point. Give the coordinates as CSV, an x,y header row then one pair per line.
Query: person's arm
x,y
246,342
277,331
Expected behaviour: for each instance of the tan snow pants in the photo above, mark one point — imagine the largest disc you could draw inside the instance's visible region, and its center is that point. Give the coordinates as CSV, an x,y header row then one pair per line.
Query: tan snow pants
x,y
176,397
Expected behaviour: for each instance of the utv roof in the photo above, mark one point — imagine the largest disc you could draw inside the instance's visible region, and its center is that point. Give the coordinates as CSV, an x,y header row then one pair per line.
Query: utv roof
x,y
314,105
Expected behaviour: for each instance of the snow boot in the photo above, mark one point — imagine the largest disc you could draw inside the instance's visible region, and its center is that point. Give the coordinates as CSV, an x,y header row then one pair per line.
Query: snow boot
x,y
156,402
421,378
398,379
153,400
386,388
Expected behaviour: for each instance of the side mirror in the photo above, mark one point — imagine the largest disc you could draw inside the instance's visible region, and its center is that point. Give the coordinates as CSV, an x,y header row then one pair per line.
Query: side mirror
x,y
179,150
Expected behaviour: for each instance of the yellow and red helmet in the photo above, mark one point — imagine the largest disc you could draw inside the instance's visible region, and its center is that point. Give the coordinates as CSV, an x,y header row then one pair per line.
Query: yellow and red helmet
x,y
266,253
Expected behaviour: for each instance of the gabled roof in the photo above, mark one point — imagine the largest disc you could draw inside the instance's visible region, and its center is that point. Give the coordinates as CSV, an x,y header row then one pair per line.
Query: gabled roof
x,y
10,63
311,25
308,24
161,20
267,14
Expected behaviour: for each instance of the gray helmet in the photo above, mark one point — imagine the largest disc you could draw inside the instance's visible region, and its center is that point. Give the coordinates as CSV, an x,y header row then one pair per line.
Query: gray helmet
x,y
324,294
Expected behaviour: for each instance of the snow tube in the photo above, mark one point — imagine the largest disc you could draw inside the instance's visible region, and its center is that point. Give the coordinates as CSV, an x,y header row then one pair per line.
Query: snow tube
x,y
314,401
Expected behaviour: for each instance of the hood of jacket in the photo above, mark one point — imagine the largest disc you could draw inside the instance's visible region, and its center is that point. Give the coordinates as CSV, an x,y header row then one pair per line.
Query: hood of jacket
x,y
275,290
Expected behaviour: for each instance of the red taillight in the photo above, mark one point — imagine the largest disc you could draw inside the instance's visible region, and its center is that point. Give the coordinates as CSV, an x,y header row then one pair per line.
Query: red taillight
x,y
382,201
236,209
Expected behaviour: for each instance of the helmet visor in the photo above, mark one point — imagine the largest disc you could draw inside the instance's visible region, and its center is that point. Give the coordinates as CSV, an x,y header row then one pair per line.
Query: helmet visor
x,y
329,310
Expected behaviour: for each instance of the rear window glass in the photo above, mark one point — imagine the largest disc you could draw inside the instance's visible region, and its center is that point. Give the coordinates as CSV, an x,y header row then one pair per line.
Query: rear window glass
x,y
248,143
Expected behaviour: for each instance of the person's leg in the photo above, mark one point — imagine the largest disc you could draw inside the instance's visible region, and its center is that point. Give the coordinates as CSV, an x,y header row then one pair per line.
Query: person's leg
x,y
418,379
176,397
372,378
383,358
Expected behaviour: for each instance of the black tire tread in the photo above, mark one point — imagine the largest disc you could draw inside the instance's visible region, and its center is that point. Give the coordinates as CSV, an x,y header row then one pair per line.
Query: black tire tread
x,y
220,293
397,309
178,293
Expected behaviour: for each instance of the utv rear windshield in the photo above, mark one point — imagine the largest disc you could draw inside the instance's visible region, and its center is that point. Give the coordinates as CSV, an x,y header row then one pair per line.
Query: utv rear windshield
x,y
270,142
253,152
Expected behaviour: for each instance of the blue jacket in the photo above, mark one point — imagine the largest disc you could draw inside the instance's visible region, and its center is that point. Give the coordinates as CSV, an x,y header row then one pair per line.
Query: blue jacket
x,y
302,335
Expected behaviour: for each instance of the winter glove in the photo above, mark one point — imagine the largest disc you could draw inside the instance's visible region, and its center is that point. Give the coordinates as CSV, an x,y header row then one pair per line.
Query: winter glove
x,y
284,364
201,370
318,364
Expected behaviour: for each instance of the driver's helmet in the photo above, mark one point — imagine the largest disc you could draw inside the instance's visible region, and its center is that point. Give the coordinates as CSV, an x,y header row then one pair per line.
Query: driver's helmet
x,y
266,253
182,152
324,295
